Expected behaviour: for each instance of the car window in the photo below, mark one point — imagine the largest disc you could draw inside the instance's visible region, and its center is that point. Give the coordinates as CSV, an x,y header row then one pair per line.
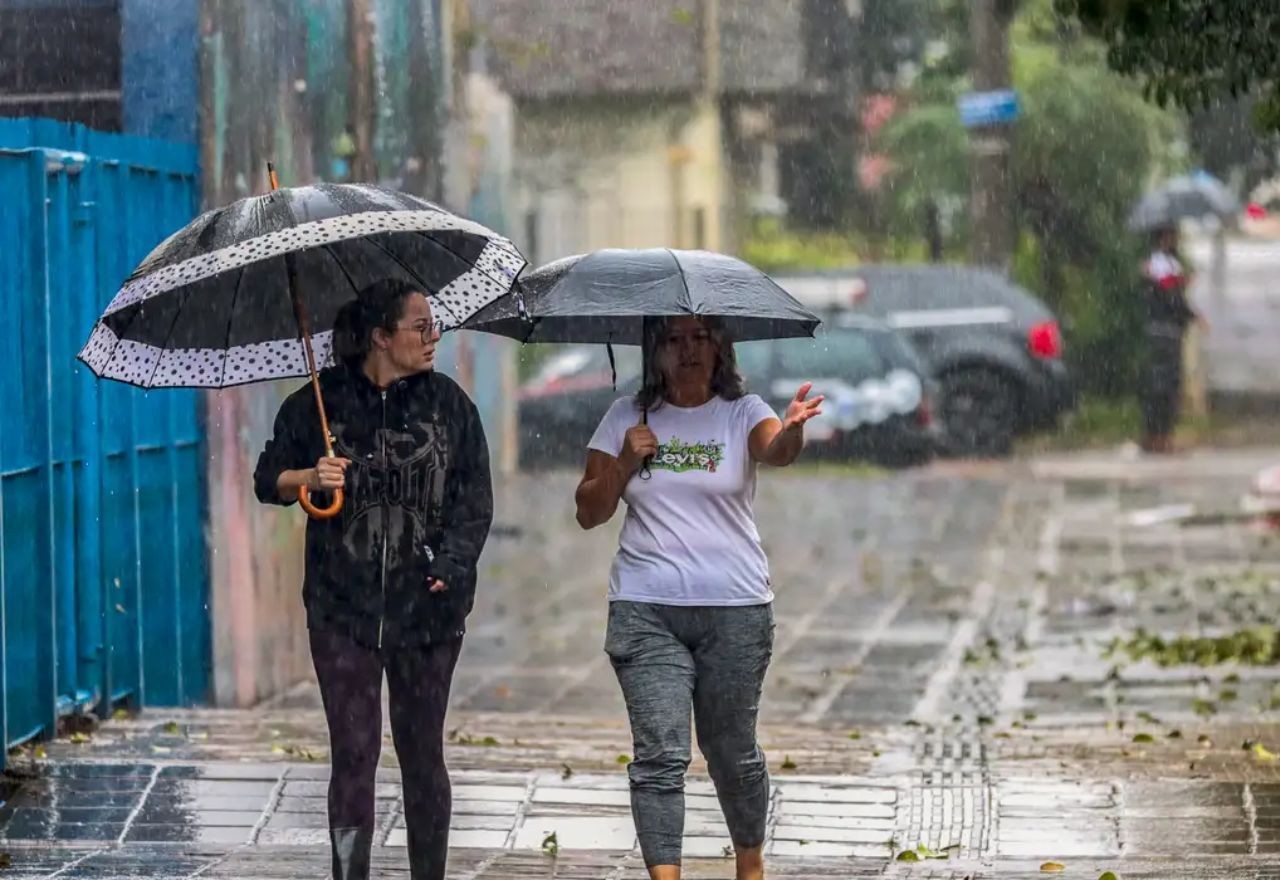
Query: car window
x,y
896,351
563,364
581,360
844,353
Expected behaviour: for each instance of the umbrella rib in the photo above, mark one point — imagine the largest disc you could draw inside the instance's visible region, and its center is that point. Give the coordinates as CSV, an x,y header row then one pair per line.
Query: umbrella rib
x,y
426,288
683,280
231,316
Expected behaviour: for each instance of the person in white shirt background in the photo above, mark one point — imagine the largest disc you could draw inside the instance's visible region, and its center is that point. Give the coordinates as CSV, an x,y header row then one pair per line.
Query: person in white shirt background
x,y
690,599
1168,313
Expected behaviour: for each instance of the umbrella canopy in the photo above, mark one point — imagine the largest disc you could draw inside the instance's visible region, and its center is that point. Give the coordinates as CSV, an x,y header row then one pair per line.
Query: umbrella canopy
x,y
214,304
605,296
1186,197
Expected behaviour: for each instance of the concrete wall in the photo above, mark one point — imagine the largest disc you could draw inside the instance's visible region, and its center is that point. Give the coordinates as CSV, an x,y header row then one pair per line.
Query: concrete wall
x,y
593,174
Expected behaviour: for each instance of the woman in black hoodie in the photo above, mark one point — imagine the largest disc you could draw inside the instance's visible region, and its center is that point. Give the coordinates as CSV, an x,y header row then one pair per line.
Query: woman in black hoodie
x,y
390,580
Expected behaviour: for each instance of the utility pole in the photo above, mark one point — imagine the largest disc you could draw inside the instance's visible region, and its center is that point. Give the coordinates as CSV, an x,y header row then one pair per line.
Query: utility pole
x,y
992,190
362,114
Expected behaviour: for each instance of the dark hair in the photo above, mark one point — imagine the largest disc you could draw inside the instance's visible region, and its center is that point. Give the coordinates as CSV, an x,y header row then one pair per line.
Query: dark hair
x,y
726,381
1157,234
380,304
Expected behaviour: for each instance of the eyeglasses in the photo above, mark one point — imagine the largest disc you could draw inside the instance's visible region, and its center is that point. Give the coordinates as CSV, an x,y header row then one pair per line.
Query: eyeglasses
x,y
426,331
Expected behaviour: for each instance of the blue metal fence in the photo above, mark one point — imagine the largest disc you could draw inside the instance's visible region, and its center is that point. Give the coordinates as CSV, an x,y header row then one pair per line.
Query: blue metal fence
x,y
103,563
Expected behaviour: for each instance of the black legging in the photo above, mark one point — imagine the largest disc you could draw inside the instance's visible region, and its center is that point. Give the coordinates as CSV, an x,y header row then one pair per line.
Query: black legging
x,y
418,679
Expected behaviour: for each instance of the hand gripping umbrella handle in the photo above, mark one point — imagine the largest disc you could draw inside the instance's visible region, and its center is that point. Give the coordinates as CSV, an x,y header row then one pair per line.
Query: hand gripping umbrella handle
x,y
304,333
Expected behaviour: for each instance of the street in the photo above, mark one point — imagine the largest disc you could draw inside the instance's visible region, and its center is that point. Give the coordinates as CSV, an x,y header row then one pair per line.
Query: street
x,y
940,684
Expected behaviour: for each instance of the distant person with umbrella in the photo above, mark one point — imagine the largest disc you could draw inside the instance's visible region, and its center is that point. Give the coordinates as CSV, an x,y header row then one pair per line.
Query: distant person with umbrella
x,y
1167,315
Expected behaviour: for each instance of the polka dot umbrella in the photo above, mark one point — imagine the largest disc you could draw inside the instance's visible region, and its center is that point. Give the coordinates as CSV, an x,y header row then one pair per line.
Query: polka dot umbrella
x,y
232,297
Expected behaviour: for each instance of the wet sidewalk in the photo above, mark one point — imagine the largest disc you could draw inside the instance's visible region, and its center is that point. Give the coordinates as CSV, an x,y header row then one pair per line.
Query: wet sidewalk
x,y
962,665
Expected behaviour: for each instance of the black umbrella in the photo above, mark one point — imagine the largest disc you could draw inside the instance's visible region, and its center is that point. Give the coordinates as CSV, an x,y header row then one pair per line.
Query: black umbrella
x,y
608,295
229,298
605,296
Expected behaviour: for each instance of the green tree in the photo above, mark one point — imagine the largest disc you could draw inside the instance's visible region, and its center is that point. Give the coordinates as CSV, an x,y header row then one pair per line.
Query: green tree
x,y
1192,51
1084,148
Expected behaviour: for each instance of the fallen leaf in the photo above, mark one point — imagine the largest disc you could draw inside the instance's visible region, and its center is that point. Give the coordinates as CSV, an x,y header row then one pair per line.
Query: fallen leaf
x,y
1263,754
172,727
6,860
1053,867
550,845
788,764
161,750
1203,739
79,738
1108,875
853,734
1143,738
120,714
727,852
565,771
624,760
908,855
41,752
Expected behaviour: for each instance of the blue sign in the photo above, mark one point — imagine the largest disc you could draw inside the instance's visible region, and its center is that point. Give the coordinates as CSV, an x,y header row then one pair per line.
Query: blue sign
x,y
979,109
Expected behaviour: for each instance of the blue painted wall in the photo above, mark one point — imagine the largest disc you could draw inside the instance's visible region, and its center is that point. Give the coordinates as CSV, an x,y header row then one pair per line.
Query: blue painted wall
x,y
103,558
160,44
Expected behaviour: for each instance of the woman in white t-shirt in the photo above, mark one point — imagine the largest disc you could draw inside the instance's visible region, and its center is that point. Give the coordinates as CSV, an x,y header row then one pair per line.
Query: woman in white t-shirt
x,y
690,613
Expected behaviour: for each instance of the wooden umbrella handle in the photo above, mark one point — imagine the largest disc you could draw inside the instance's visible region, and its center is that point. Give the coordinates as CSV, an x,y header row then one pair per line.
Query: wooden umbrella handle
x,y
304,333
334,508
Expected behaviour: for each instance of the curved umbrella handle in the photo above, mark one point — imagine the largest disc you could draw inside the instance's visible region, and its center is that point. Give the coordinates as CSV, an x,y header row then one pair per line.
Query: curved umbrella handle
x,y
304,498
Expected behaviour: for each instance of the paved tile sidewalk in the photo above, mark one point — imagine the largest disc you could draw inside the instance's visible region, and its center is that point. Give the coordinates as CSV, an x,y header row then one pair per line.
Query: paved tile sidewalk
x,y
939,680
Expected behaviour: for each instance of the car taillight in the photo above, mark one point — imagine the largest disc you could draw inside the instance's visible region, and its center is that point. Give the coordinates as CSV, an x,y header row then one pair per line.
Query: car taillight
x,y
1044,340
924,413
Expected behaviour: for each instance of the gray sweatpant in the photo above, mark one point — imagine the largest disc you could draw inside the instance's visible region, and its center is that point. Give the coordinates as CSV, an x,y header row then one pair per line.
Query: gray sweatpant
x,y
670,659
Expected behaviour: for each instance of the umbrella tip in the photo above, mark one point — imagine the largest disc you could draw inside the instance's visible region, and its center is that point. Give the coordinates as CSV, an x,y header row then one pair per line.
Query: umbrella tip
x,y
271,177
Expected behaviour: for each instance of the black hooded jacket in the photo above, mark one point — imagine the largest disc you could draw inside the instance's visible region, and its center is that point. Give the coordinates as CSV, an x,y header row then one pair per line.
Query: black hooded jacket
x,y
419,503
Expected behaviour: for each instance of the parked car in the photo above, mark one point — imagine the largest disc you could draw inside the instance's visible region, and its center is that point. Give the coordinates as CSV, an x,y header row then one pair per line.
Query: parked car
x,y
880,400
995,349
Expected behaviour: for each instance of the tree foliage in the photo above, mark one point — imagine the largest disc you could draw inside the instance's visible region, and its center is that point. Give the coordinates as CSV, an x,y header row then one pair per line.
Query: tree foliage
x,y
1191,52
1083,151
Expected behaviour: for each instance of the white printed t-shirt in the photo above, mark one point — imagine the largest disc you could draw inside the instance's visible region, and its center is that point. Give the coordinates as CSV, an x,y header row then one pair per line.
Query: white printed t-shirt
x,y
689,537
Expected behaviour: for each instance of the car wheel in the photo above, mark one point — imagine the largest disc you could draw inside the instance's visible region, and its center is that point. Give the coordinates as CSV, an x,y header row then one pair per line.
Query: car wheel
x,y
979,413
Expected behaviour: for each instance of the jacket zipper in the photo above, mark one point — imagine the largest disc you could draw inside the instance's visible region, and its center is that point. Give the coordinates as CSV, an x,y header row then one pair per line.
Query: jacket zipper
x,y
382,609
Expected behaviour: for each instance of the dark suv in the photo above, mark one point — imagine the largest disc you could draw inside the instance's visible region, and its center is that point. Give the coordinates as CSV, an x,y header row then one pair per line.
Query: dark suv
x,y
995,349
880,401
